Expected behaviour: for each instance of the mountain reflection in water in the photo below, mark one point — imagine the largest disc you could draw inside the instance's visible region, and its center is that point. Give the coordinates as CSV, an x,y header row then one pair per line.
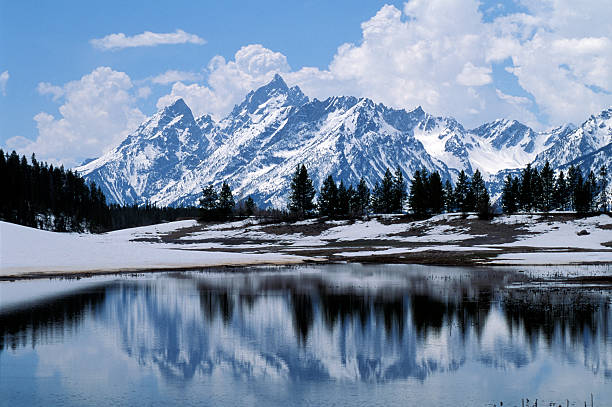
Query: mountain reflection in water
x,y
341,323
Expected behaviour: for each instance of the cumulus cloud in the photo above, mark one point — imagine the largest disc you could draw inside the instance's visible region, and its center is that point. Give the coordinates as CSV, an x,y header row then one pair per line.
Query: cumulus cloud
x,y
4,77
172,76
229,81
98,111
146,39
472,75
45,88
143,92
440,55
561,54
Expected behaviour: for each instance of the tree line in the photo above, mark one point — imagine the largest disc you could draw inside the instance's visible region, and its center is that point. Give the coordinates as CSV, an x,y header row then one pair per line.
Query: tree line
x,y
40,195
540,190
427,196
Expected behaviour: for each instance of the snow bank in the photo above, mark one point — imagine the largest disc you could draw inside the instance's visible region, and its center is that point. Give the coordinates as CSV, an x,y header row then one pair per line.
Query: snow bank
x,y
26,250
565,234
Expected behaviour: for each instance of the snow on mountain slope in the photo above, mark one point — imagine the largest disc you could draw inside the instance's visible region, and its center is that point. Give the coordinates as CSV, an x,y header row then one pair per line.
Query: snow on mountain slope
x,y
594,134
505,144
343,136
159,151
257,147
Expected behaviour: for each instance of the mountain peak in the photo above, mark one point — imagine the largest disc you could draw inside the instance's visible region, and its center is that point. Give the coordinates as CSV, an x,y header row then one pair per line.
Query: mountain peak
x,y
277,87
178,105
277,83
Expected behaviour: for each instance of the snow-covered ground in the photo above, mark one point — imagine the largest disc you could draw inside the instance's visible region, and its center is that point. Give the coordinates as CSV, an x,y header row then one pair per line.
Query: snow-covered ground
x,y
527,239
25,250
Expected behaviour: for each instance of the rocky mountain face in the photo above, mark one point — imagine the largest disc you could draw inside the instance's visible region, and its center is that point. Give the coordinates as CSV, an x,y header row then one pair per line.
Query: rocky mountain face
x,y
257,147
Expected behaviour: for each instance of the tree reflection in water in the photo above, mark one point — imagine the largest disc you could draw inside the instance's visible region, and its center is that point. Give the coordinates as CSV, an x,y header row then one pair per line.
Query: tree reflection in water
x,y
344,322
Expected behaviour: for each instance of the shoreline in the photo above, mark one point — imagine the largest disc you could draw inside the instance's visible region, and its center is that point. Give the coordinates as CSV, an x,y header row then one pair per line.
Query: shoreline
x,y
444,240
228,267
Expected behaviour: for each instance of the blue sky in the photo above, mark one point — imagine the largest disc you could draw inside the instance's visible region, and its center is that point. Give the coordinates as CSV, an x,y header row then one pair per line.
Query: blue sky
x,y
65,96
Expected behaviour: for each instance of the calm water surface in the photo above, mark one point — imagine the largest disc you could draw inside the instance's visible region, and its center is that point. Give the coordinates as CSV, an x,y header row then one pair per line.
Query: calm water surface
x,y
341,335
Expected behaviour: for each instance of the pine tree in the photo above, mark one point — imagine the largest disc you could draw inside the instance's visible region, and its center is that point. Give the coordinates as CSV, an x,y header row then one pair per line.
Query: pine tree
x,y
449,197
463,193
361,200
547,181
526,198
573,178
302,193
560,195
581,195
249,206
328,197
384,194
209,204
226,202
592,191
483,205
343,207
435,193
417,198
509,200
399,191
603,189
479,194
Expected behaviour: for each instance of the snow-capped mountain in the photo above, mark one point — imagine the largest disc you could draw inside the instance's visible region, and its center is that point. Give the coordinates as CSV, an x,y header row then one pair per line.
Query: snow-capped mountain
x,y
257,147
595,133
163,148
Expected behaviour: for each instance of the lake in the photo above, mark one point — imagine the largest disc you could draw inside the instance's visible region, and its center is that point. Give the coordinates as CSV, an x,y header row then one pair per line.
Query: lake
x,y
310,335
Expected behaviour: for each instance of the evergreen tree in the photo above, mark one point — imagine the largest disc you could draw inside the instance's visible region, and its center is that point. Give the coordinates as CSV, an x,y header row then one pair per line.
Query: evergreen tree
x,y
435,193
302,193
547,182
209,204
526,198
249,206
483,205
226,202
463,193
328,197
509,200
384,194
560,195
574,177
580,195
361,199
399,191
479,193
592,192
417,198
343,207
449,197
603,189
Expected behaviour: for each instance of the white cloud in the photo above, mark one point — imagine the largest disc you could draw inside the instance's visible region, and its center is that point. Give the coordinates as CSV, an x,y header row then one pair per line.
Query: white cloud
x,y
516,100
433,53
228,82
566,53
404,59
4,77
474,75
45,88
440,55
98,111
172,76
146,39
143,92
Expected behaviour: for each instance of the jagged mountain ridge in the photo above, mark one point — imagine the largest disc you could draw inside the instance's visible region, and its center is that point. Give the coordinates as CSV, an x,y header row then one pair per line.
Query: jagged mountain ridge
x,y
257,147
